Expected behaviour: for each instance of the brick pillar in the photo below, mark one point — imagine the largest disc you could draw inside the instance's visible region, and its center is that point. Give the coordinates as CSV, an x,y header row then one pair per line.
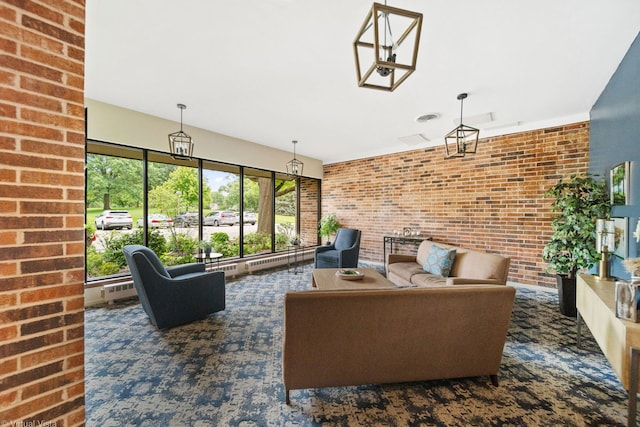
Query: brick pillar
x,y
42,213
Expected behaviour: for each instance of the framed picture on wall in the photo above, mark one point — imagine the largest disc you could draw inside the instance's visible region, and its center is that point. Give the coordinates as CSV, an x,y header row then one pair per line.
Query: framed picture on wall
x,y
620,184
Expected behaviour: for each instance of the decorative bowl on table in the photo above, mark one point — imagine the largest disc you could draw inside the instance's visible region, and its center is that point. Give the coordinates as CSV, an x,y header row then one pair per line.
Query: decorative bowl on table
x,y
349,274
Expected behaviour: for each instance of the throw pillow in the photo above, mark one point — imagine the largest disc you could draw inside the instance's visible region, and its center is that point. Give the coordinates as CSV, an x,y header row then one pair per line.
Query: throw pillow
x,y
439,261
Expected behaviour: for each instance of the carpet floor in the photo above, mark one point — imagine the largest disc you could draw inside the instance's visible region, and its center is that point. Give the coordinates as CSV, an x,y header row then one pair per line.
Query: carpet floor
x,y
225,370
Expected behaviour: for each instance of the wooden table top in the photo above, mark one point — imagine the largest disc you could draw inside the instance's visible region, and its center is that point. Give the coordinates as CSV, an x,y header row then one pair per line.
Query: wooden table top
x,y
326,279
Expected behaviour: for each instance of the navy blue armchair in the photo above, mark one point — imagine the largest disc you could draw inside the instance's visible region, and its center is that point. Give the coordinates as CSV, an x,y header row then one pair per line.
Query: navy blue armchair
x,y
342,253
176,295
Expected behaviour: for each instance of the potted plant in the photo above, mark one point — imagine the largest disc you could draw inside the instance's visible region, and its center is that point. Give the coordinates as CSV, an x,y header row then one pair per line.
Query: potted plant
x,y
205,246
329,225
578,203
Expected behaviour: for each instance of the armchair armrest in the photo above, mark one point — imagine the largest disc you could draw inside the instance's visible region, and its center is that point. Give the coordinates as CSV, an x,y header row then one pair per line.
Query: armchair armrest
x,y
324,248
393,258
470,281
179,270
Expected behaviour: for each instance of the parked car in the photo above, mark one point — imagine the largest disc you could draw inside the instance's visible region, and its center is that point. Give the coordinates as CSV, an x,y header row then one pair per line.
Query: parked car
x,y
156,221
110,219
217,218
186,219
248,217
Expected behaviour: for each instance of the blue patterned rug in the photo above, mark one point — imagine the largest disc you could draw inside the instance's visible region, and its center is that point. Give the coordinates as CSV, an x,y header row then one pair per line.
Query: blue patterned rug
x,y
225,370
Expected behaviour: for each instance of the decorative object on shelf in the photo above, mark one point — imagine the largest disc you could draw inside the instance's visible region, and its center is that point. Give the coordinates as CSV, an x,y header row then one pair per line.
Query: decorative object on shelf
x,y
632,265
350,274
578,202
628,300
394,59
605,244
619,184
463,139
406,231
329,224
620,228
180,143
294,166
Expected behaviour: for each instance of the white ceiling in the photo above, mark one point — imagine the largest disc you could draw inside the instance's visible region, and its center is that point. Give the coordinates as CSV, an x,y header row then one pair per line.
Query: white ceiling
x,y
270,71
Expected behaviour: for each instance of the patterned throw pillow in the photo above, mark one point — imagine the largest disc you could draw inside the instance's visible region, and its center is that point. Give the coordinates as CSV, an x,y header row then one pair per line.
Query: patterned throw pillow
x,y
439,261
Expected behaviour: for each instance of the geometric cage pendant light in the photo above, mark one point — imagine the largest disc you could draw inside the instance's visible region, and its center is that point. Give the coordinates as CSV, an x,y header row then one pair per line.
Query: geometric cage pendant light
x,y
390,37
294,166
463,139
181,144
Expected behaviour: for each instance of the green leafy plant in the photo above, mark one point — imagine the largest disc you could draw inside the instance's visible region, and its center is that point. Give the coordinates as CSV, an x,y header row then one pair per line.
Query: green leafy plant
x,y
329,225
578,203
205,245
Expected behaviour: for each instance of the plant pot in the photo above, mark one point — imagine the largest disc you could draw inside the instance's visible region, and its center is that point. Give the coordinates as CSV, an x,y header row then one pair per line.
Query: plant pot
x,y
567,295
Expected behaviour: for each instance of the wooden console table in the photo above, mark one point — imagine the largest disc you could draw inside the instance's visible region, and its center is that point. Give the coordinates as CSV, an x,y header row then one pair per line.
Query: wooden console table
x,y
618,339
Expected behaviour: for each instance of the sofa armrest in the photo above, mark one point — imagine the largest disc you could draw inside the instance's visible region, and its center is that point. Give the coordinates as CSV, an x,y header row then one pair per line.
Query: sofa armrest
x,y
470,281
179,270
393,258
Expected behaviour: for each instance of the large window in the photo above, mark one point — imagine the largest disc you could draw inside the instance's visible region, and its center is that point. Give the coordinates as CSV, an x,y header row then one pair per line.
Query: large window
x,y
177,207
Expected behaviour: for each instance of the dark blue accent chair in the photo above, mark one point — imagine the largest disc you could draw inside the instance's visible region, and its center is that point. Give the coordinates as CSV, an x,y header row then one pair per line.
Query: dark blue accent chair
x,y
343,253
176,295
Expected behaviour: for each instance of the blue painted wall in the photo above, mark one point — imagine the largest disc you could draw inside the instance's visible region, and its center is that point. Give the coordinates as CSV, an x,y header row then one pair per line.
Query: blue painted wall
x,y
615,138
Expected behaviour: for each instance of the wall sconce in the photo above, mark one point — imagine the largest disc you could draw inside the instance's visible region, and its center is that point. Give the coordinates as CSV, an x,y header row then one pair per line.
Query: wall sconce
x,y
463,139
294,166
181,144
605,244
394,59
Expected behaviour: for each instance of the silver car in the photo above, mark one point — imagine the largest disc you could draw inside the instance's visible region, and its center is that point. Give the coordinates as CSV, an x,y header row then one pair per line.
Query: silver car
x,y
217,218
110,219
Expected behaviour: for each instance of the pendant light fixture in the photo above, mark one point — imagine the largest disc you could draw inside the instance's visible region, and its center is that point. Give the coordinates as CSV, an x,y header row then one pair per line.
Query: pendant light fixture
x,y
394,57
463,139
294,166
181,144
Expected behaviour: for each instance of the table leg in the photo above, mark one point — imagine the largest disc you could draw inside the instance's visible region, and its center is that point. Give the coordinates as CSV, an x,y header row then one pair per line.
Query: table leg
x,y
579,327
633,387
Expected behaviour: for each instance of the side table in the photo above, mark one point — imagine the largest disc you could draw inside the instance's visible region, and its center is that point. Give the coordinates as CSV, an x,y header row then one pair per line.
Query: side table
x,y
297,252
209,258
390,240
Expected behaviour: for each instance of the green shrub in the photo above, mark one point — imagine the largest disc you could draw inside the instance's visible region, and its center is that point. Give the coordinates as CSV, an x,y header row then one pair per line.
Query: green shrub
x,y
97,266
182,244
116,241
219,237
256,242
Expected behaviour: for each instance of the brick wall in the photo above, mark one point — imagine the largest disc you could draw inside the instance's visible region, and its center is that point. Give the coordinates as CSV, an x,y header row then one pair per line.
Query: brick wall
x,y
309,190
41,212
492,201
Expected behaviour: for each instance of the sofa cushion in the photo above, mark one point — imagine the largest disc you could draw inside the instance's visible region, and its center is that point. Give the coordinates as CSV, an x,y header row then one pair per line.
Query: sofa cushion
x,y
439,261
405,270
428,280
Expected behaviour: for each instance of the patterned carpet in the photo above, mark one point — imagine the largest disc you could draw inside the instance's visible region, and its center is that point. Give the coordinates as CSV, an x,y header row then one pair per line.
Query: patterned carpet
x,y
225,370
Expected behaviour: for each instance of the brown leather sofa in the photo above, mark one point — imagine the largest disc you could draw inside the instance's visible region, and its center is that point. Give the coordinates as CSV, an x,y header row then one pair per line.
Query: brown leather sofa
x,y
469,267
351,337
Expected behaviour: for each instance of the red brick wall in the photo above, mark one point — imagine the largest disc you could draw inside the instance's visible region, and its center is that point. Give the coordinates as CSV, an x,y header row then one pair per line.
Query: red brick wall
x,y
309,211
492,201
42,212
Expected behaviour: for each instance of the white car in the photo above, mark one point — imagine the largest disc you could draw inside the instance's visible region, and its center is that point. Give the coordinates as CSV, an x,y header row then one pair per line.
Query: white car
x,y
156,221
110,219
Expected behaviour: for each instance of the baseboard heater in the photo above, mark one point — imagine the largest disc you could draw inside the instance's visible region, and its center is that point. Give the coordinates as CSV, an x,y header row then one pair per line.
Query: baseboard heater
x,y
278,260
229,269
118,291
